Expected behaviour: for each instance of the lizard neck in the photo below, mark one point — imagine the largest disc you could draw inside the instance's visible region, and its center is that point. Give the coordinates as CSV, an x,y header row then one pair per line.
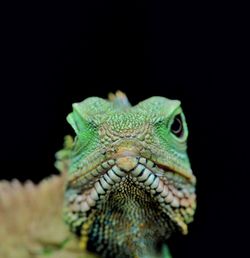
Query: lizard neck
x,y
129,225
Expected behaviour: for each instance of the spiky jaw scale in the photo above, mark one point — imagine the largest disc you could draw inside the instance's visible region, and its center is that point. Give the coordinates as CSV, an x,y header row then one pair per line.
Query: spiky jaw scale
x,y
131,196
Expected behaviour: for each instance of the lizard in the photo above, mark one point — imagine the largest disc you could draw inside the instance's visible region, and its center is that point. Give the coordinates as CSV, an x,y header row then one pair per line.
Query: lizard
x,y
126,182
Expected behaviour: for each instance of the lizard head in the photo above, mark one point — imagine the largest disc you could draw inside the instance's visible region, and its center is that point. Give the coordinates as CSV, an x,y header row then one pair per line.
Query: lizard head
x,y
129,175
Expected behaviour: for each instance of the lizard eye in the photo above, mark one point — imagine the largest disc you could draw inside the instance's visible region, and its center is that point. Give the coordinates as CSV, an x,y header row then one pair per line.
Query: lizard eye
x,y
177,126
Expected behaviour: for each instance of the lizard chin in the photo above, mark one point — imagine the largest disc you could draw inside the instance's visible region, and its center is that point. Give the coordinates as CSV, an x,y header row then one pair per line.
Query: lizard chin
x,y
133,222
131,199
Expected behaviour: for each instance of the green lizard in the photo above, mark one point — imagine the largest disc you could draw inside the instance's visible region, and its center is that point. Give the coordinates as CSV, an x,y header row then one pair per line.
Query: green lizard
x,y
126,179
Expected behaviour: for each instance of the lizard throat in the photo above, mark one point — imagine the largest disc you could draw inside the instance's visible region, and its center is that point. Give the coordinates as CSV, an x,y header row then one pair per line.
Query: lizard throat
x,y
136,203
128,223
166,188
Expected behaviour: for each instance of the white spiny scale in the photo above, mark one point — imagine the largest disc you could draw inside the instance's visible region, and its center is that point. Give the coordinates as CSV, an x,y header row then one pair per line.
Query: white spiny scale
x,y
152,191
80,198
94,195
144,175
175,203
165,191
184,202
84,207
111,162
118,171
104,184
96,172
169,197
105,165
155,183
159,172
99,188
178,193
142,160
138,170
108,179
160,187
185,192
99,169
113,176
160,199
150,163
91,202
150,180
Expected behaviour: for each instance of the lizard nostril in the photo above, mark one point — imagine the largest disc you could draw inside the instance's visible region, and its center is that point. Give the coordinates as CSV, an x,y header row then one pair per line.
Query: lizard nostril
x,y
127,163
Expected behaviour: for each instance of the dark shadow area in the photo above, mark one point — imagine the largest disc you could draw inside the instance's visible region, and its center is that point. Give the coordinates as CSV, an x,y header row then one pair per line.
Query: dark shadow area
x,y
54,55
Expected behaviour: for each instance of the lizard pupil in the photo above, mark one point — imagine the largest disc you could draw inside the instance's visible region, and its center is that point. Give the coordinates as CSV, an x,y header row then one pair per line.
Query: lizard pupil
x,y
177,127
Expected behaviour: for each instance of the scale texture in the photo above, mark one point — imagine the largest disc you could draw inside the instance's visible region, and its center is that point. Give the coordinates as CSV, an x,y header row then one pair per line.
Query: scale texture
x,y
126,186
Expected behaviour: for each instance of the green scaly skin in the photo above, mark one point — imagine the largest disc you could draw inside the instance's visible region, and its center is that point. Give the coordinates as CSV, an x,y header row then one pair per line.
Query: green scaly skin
x,y
129,180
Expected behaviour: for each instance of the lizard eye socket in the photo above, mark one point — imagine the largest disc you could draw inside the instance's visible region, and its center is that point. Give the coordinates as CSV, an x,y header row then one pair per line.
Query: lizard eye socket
x,y
177,126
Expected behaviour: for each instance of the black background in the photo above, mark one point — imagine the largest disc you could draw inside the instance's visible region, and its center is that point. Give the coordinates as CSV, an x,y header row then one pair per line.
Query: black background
x,y
57,54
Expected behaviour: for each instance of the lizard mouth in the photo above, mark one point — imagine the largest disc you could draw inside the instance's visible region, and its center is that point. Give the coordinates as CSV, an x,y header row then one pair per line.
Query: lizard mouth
x,y
174,192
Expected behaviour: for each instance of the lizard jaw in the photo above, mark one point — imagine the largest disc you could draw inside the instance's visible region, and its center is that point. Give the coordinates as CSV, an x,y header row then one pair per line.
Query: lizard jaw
x,y
159,184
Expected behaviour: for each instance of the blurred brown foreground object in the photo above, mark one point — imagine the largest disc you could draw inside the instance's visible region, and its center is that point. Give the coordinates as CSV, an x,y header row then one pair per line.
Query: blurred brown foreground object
x,y
31,224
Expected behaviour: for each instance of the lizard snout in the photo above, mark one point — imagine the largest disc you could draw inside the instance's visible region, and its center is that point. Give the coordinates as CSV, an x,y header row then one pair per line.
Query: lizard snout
x,y
127,163
127,157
